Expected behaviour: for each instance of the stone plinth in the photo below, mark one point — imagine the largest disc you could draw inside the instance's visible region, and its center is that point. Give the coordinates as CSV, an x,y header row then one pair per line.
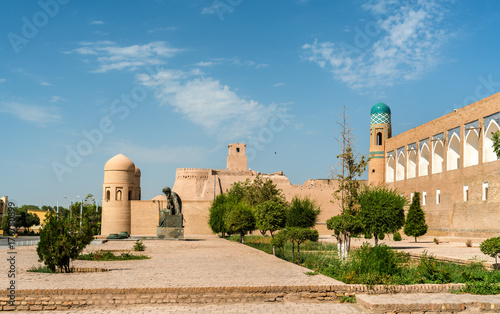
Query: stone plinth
x,y
170,233
173,228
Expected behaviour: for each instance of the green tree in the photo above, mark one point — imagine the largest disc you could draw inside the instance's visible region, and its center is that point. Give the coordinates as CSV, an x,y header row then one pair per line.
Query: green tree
x,y
415,225
23,219
382,211
270,216
61,240
240,219
491,247
298,236
303,213
89,213
256,192
350,168
5,225
496,143
220,206
280,240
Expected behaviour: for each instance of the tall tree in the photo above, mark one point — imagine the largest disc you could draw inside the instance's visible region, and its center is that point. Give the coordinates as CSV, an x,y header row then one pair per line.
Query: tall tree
x,y
382,211
257,191
415,225
270,216
220,206
350,167
303,213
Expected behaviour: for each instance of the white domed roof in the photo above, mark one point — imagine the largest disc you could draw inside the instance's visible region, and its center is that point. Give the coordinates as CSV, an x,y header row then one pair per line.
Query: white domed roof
x,y
119,162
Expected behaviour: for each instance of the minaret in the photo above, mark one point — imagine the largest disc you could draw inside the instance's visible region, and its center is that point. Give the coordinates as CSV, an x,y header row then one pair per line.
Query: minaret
x,y
380,131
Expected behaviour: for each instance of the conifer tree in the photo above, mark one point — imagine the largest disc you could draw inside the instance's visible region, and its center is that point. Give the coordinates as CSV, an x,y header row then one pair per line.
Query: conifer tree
x,y
415,225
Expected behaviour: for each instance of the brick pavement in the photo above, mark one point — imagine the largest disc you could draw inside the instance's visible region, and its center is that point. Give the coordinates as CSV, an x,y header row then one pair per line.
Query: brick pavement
x,y
286,307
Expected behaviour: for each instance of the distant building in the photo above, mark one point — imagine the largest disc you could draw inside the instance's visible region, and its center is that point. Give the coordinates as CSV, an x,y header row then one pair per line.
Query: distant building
x,y
123,209
450,161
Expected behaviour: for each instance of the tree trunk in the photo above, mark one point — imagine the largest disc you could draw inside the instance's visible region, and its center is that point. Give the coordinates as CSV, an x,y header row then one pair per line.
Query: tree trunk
x,y
293,252
415,239
274,251
298,253
376,240
242,238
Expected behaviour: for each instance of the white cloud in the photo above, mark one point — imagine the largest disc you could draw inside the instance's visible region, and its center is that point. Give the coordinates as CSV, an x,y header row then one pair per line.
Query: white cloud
x,y
2,80
218,7
113,57
207,102
408,43
157,155
233,61
159,29
96,22
32,113
56,98
45,83
279,84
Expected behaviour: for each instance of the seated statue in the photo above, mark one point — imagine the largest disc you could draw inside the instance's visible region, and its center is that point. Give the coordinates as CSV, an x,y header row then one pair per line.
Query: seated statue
x,y
174,206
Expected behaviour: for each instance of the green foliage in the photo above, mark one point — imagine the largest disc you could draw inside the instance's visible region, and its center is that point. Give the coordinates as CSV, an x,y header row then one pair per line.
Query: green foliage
x,y
299,235
415,225
280,239
109,256
270,216
382,210
347,299
303,213
491,247
480,287
89,213
496,143
347,174
397,236
256,192
40,269
240,219
217,212
62,240
22,219
139,246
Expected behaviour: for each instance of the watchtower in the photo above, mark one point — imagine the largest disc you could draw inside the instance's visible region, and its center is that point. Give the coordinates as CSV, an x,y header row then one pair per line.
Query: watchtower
x,y
237,158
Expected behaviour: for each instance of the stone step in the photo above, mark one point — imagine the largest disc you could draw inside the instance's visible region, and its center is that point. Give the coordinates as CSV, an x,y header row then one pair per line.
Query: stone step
x,y
429,302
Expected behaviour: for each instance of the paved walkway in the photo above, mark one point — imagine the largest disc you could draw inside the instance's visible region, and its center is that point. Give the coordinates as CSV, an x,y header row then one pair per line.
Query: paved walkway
x,y
286,307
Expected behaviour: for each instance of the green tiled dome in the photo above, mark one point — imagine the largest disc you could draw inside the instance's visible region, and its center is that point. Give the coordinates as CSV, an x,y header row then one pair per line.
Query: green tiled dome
x,y
380,108
380,113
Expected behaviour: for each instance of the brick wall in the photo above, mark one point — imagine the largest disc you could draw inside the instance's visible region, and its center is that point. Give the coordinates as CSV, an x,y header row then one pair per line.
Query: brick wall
x,y
64,299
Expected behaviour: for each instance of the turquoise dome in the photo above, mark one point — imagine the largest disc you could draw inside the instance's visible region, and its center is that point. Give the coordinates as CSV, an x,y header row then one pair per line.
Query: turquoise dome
x,y
380,108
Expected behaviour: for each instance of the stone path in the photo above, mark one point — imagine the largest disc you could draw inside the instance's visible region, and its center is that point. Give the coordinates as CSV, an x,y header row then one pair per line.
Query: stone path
x,y
286,307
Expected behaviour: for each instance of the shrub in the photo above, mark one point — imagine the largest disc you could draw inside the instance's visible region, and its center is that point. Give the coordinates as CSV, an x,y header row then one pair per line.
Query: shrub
x,y
139,246
270,216
396,236
303,213
62,240
40,269
491,247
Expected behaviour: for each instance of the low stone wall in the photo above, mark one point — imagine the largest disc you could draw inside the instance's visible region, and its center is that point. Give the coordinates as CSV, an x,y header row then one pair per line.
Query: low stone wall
x,y
64,299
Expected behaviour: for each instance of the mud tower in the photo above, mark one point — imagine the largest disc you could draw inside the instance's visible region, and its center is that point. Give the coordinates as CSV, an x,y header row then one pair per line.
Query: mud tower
x,y
237,158
380,131
121,185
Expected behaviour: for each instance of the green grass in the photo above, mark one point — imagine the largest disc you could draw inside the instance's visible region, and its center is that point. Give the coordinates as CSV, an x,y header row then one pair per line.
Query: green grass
x,y
109,256
384,265
40,269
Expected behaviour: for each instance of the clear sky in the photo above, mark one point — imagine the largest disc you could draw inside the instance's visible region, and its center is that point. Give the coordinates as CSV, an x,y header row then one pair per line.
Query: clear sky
x,y
169,83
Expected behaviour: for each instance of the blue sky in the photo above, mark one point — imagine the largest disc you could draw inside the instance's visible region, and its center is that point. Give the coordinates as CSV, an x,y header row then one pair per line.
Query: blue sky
x,y
170,83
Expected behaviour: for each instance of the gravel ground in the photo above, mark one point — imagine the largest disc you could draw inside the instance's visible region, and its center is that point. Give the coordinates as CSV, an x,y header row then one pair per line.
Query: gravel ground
x,y
203,262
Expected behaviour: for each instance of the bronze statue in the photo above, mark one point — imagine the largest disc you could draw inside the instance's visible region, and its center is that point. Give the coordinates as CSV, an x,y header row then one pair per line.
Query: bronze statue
x,y
174,206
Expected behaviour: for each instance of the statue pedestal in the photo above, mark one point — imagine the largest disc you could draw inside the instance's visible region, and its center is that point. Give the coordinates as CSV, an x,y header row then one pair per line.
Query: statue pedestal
x,y
170,233
172,228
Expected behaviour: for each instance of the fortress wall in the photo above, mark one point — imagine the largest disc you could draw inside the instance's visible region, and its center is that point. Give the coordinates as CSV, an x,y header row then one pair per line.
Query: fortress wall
x,y
453,216
196,217
475,111
193,183
144,217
